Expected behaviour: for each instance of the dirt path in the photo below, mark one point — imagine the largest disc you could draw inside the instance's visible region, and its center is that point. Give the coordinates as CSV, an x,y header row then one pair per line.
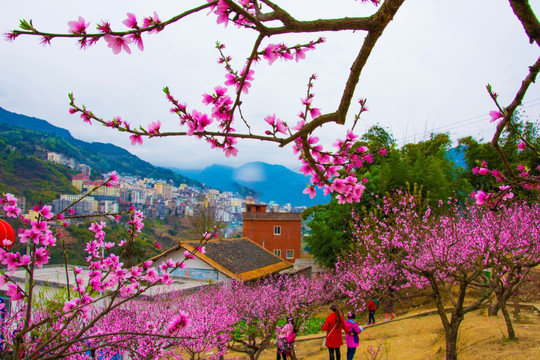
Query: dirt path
x,y
420,336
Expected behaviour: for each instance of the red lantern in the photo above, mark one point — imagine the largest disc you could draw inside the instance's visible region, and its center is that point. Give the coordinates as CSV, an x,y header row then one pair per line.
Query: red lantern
x,y
6,232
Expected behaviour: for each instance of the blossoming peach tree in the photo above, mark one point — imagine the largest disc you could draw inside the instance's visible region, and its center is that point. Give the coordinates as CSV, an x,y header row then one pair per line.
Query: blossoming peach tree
x,y
222,125
512,236
203,317
239,316
259,307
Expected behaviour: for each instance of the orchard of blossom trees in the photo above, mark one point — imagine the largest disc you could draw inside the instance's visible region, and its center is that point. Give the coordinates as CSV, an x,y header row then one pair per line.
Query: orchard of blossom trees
x,y
101,312
407,245
404,243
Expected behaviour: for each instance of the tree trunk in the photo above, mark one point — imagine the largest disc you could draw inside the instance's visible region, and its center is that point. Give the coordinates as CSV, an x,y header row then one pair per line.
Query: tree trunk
x,y
293,354
502,299
509,327
255,355
502,296
451,343
260,349
450,327
516,305
495,282
493,308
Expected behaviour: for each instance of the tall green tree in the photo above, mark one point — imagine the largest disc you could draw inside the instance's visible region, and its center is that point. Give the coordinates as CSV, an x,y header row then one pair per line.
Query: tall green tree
x,y
329,225
428,165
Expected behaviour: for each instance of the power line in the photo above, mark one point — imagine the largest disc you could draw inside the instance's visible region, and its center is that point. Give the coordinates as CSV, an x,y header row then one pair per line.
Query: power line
x,y
466,122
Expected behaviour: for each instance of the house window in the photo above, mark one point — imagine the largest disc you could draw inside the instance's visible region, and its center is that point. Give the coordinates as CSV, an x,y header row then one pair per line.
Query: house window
x,y
277,230
290,254
277,252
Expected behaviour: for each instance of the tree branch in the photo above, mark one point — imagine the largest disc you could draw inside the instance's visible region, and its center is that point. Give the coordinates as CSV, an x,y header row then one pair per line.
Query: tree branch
x,y
528,19
509,113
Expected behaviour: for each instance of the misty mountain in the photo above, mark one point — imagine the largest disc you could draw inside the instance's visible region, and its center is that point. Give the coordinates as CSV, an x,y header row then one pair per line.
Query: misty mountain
x,y
271,182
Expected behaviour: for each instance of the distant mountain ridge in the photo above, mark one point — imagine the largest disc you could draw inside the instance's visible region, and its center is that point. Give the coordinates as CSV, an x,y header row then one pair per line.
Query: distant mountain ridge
x,y
101,157
27,122
271,182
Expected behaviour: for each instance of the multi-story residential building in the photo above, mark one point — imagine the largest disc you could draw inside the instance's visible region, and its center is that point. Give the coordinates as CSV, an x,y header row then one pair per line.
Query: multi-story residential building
x,y
111,192
78,180
278,232
165,190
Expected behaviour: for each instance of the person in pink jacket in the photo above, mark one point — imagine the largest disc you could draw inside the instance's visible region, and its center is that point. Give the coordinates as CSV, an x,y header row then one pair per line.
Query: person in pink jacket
x,y
351,338
285,336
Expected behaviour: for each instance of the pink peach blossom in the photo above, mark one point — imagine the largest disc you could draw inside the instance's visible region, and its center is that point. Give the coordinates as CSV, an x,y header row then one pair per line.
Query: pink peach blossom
x,y
136,139
495,115
154,127
117,43
131,21
78,27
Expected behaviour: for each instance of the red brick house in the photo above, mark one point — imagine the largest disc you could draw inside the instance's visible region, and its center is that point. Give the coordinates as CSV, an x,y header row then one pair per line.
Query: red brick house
x,y
278,232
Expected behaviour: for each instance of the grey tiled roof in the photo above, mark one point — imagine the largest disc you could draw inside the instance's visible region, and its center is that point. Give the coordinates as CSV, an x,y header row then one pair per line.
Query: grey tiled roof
x,y
238,255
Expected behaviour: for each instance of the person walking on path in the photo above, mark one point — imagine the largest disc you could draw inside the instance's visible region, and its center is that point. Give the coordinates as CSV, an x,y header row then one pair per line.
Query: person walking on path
x,y
333,325
283,335
351,338
371,306
290,340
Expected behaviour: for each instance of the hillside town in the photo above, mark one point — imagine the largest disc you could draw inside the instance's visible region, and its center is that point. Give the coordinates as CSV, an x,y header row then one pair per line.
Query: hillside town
x,y
155,198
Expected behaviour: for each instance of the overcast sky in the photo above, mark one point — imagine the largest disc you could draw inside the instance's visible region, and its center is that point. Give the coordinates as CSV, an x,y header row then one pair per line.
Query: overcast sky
x,y
426,74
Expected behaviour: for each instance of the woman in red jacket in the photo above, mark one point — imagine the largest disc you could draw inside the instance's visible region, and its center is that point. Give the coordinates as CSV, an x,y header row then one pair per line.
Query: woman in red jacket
x,y
333,325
